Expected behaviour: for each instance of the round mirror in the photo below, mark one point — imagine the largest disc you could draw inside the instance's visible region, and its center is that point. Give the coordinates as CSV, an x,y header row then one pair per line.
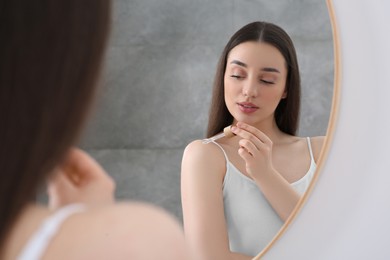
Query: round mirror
x,y
156,88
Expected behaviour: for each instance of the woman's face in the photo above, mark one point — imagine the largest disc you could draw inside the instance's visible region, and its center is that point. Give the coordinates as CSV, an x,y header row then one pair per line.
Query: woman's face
x,y
255,80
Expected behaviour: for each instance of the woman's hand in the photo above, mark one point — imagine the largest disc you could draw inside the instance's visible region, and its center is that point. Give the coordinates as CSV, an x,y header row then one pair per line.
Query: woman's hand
x,y
255,149
80,179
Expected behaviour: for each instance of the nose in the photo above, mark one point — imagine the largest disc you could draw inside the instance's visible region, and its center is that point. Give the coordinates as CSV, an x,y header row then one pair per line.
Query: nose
x,y
250,89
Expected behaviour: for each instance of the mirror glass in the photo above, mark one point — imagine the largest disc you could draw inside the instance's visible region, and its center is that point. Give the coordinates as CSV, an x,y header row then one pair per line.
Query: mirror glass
x,y
156,86
347,214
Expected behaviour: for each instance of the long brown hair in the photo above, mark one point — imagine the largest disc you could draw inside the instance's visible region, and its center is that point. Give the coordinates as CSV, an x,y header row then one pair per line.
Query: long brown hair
x,y
287,112
50,56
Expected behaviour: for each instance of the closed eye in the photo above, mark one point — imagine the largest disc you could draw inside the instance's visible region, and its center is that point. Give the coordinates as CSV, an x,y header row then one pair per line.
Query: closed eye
x,y
267,82
236,76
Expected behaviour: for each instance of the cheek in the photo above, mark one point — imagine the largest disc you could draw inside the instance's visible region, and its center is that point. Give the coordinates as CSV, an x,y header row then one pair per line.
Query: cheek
x,y
231,86
273,95
227,89
231,93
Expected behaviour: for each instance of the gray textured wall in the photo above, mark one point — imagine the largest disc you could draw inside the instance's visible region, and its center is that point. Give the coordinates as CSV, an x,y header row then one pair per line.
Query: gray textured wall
x,y
156,87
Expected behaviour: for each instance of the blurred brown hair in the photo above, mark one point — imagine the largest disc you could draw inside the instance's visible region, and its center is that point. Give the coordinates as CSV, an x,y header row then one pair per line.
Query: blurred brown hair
x,y
50,57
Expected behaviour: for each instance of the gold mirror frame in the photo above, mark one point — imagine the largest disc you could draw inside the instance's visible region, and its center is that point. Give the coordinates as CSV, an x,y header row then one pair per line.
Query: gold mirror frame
x,y
329,133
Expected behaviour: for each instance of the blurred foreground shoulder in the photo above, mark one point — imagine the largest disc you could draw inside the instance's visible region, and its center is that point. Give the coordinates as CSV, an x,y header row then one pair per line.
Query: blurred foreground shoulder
x,y
154,232
126,230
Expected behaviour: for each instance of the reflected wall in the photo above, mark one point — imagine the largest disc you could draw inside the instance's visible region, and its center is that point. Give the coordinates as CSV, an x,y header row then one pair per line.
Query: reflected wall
x,y
156,86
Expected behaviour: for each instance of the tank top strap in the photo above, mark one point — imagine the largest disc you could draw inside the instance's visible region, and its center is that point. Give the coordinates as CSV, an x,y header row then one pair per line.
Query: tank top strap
x,y
39,241
224,153
310,149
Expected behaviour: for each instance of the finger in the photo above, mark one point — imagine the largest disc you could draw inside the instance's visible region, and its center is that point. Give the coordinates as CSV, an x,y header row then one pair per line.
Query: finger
x,y
246,135
250,147
244,154
245,128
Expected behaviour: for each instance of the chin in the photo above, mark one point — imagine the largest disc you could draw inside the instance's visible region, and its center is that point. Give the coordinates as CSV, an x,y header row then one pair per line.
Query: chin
x,y
250,120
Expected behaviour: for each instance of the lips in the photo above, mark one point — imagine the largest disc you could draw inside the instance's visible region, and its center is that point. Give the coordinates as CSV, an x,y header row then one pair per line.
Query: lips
x,y
247,107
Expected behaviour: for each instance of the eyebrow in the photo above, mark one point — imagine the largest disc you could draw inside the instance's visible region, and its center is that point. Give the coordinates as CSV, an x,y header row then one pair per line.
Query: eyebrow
x,y
242,64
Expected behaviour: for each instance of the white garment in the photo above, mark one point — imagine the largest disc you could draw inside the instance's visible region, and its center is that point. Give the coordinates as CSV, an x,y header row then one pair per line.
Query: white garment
x,y
40,240
251,221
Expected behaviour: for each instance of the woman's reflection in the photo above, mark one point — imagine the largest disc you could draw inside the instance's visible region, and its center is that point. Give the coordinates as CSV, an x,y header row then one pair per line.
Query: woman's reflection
x,y
238,191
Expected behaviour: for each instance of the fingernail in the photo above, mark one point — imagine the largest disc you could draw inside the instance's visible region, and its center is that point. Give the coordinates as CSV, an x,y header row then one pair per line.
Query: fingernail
x,y
233,128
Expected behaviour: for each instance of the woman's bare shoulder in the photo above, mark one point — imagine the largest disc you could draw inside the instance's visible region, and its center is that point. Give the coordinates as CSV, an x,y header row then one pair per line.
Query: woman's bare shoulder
x,y
202,152
121,231
203,158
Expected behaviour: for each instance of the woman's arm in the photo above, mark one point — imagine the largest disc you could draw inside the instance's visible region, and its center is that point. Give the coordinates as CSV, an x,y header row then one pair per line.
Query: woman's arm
x,y
203,168
256,150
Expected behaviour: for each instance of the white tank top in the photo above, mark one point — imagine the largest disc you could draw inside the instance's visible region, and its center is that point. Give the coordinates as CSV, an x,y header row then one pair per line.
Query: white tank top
x,y
251,221
40,240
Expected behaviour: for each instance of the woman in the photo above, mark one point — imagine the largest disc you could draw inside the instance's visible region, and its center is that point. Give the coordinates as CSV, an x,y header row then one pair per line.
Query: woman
x,y
50,57
238,191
